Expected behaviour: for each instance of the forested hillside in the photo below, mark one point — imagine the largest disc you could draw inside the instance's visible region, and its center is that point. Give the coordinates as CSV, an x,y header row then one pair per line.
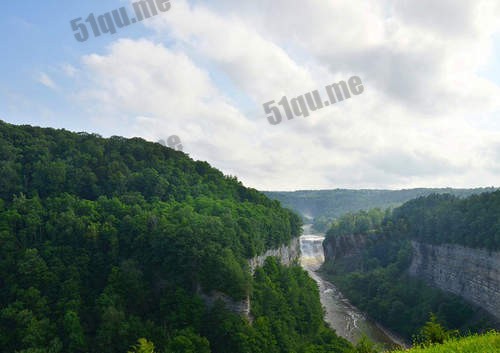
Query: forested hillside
x,y
324,206
377,279
473,222
105,241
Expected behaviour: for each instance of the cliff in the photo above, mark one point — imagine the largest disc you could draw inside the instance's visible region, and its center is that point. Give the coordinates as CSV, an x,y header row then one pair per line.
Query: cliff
x,y
473,274
286,254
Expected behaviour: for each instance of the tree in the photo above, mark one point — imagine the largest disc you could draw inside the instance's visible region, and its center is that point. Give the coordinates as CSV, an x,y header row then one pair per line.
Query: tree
x,y
433,332
366,346
143,346
74,332
187,341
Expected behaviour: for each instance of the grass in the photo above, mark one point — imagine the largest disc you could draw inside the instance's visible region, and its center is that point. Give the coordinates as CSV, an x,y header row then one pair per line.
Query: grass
x,y
487,343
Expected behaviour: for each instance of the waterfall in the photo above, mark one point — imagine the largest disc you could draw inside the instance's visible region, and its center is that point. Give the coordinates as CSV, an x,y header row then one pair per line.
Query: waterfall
x,y
340,315
311,247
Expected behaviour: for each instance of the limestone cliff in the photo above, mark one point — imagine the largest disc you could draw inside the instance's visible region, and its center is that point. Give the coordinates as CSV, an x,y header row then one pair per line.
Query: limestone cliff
x,y
473,274
287,254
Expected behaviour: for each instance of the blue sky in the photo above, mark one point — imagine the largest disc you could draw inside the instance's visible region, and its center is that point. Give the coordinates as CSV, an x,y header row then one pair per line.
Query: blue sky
x,y
39,39
429,116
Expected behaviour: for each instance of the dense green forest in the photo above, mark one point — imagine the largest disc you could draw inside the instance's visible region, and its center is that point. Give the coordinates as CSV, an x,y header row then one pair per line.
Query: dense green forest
x,y
473,222
379,283
107,241
324,206
288,317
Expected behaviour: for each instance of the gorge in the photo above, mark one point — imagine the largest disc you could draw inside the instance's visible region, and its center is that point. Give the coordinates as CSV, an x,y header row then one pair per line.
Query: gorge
x,y
347,320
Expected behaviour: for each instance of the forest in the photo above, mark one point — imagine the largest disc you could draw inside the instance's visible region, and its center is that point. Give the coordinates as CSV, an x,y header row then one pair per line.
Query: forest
x,y
322,207
437,219
105,244
379,283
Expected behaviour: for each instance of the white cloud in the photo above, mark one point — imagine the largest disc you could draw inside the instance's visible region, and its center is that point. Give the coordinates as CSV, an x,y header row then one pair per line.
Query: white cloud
x,y
45,80
424,120
69,70
157,92
259,67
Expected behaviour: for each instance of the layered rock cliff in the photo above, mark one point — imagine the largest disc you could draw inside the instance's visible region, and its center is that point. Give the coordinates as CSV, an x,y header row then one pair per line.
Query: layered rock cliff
x,y
473,274
287,254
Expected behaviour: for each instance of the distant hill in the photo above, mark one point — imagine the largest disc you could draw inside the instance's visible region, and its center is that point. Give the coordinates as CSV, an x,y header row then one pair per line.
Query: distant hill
x,y
322,206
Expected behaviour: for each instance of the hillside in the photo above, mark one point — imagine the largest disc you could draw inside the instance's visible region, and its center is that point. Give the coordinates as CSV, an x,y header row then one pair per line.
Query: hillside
x,y
107,241
323,206
488,343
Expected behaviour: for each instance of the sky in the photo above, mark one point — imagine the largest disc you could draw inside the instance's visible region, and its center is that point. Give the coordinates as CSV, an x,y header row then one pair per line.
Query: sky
x,y
429,115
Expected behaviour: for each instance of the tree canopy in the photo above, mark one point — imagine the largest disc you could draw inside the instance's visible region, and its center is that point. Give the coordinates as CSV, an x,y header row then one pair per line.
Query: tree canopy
x,y
107,241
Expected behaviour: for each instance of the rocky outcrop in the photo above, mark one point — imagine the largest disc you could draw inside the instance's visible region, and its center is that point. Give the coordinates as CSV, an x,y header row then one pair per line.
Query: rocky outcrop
x,y
473,274
286,254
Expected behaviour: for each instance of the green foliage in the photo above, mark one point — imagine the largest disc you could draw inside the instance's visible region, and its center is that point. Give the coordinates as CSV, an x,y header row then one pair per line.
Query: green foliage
x,y
103,241
380,285
433,332
325,206
360,223
187,341
287,317
143,346
487,343
401,302
366,346
437,219
388,294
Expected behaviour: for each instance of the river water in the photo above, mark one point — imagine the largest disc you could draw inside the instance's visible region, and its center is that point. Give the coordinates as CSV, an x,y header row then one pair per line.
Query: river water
x,y
343,317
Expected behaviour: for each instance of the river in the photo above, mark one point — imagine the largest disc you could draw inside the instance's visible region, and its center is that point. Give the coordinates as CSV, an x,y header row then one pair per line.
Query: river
x,y
343,317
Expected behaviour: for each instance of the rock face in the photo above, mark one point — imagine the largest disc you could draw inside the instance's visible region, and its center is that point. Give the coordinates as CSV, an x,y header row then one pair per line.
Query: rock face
x,y
473,274
287,255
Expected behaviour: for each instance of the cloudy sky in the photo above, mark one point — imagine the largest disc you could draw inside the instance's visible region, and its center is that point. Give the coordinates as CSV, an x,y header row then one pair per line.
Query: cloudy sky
x,y
429,115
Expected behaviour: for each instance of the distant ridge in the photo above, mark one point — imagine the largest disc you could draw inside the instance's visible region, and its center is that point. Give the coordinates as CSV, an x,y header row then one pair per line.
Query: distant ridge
x,y
320,207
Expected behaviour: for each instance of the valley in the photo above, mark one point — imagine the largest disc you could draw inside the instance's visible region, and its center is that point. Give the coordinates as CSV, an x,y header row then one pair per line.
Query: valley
x,y
347,320
112,244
